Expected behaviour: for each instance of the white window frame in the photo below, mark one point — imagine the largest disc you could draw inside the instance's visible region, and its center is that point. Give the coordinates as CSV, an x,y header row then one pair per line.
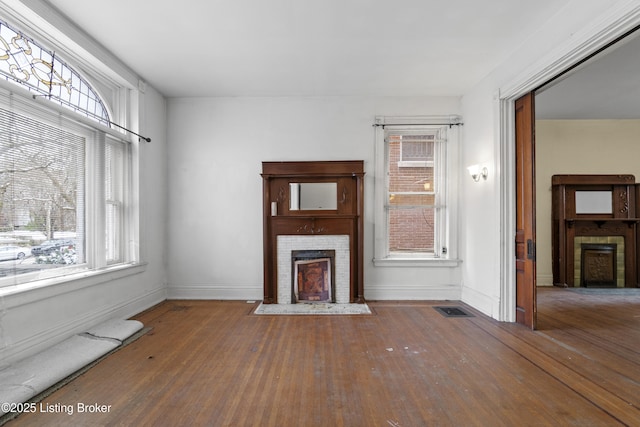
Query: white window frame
x,y
120,90
96,137
446,250
114,243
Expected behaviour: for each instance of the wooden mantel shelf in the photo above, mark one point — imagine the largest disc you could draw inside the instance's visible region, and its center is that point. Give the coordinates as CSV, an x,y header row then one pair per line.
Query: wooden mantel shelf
x,y
600,222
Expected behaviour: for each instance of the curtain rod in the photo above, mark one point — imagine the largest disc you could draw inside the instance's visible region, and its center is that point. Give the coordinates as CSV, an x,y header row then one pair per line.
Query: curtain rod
x,y
147,139
416,124
130,131
53,58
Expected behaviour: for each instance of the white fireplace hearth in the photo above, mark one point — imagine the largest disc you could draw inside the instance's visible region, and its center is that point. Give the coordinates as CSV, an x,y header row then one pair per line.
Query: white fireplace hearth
x,y
286,244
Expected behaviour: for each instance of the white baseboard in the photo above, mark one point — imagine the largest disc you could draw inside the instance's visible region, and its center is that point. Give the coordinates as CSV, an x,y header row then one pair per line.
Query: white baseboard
x,y
216,292
544,280
437,293
482,302
255,292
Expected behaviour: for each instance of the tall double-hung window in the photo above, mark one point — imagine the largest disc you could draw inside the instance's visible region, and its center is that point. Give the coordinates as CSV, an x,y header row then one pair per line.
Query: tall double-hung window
x,y
414,181
65,176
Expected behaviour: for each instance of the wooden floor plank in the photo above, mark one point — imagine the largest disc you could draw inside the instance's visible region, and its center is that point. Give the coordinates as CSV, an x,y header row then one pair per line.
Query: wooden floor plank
x,y
213,363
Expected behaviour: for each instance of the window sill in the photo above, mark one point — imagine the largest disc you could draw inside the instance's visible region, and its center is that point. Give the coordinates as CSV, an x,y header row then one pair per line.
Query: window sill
x,y
416,262
33,291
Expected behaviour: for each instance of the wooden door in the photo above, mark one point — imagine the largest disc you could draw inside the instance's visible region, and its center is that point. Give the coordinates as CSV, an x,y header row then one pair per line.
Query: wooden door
x,y
525,212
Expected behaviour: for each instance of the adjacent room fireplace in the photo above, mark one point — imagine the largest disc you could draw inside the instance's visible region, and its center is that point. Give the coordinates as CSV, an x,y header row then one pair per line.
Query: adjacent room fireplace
x,y
595,231
599,261
598,265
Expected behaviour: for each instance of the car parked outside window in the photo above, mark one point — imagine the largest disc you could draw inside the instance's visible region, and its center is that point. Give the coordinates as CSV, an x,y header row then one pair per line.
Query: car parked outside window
x,y
12,252
50,246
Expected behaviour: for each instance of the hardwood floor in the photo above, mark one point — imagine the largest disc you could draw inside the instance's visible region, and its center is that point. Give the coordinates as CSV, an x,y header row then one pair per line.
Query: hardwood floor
x,y
213,363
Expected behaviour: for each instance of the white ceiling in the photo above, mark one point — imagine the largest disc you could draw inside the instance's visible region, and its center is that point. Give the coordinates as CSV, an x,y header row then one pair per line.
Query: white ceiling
x,y
606,87
346,48
306,48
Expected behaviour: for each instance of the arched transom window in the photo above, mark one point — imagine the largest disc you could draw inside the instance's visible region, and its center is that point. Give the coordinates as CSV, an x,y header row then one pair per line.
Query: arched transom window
x,y
25,62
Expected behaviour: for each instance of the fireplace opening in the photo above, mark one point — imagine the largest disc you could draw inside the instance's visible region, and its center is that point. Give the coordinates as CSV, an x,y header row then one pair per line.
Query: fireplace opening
x,y
598,265
313,276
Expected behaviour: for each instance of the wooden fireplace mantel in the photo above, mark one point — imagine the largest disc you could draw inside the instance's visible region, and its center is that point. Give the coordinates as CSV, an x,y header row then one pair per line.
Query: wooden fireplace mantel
x,y
620,219
346,219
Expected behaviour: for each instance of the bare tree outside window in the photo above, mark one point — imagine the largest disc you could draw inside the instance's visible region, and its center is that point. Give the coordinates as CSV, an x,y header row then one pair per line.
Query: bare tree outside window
x,y
41,189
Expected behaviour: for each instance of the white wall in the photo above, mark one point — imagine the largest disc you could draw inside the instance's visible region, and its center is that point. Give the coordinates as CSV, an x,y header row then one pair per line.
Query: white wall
x,y
486,208
33,320
577,147
216,146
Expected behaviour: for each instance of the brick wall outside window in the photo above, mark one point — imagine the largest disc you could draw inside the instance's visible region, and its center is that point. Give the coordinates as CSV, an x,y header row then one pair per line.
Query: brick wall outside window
x,y
411,227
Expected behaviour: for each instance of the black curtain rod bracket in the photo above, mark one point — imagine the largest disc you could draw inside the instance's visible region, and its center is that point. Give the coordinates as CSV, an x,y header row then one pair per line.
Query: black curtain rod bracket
x,y
130,131
417,124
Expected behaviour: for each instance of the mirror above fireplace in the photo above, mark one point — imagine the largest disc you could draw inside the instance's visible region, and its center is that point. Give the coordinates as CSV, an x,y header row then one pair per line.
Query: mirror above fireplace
x,y
308,196
594,202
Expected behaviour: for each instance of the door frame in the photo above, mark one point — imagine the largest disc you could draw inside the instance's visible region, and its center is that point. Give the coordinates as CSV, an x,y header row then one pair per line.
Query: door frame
x,y
620,21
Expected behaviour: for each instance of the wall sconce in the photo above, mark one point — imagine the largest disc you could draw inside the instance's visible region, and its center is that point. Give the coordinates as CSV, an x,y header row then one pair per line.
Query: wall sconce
x,y
477,172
